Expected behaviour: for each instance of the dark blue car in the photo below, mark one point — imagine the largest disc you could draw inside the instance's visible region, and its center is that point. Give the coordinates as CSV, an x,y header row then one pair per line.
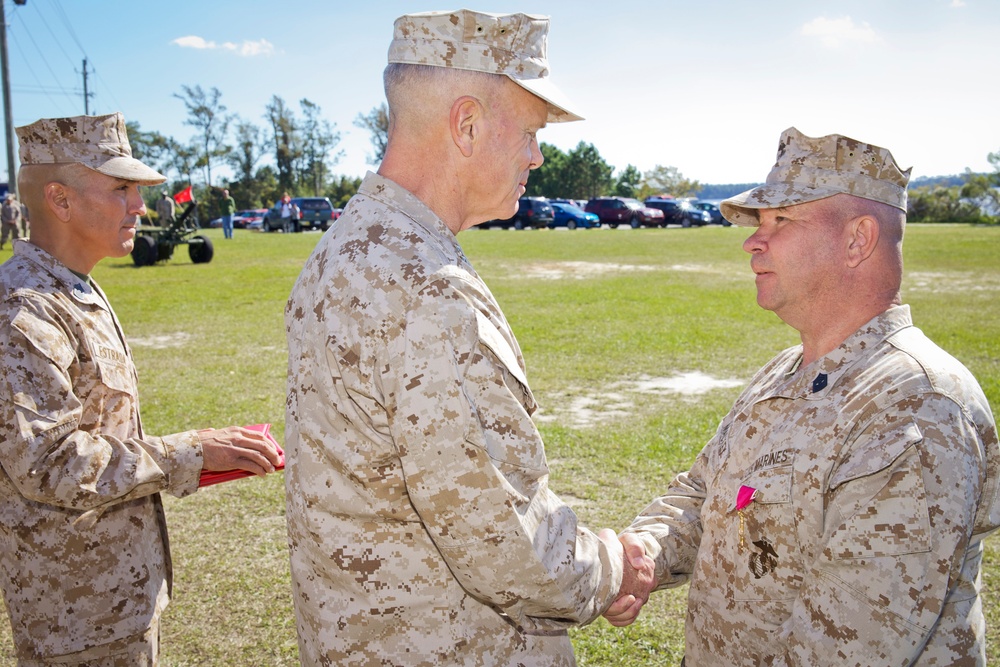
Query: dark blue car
x,y
571,217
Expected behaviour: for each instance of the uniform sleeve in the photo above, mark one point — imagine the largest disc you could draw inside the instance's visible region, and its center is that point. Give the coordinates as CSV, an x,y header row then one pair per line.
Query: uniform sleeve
x,y
49,453
475,471
670,527
900,512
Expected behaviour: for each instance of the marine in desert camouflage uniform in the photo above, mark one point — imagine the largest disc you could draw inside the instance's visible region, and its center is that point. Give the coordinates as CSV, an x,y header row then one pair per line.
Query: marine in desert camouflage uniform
x,y
84,558
837,516
421,526
10,218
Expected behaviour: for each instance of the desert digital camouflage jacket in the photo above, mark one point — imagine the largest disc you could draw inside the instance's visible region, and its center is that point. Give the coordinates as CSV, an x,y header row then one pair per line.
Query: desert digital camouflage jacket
x,y
83,544
421,526
875,470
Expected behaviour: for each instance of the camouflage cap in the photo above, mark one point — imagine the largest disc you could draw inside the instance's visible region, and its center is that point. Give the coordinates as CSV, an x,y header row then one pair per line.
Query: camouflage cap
x,y
808,169
512,45
97,142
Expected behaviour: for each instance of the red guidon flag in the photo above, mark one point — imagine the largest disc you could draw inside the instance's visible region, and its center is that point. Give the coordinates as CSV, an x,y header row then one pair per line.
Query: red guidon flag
x,y
183,196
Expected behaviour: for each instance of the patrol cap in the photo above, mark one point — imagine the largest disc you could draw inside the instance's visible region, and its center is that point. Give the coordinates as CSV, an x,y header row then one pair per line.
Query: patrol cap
x,y
809,169
512,45
97,142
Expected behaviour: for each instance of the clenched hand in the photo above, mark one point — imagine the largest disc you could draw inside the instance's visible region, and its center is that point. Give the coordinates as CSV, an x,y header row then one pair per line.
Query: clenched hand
x,y
237,448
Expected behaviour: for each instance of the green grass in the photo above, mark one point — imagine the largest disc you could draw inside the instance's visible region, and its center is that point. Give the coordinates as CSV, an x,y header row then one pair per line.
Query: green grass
x,y
209,343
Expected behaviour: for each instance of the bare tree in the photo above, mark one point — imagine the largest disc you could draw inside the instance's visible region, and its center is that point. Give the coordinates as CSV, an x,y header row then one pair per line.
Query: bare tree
x,y
248,148
319,137
285,141
208,116
376,122
152,147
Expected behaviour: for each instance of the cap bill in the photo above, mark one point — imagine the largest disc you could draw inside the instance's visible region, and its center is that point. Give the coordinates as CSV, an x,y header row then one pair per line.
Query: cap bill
x,y
736,209
559,104
130,169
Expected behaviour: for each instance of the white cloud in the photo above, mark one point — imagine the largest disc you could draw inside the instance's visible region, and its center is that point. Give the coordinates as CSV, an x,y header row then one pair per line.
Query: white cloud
x,y
258,48
246,48
833,33
957,3
193,42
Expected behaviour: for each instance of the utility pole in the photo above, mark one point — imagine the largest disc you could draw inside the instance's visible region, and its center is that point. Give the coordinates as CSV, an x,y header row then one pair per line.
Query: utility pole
x,y
86,95
7,115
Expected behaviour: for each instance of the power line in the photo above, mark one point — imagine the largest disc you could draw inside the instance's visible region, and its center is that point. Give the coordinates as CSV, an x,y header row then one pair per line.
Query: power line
x,y
55,40
41,54
38,90
118,105
27,63
68,25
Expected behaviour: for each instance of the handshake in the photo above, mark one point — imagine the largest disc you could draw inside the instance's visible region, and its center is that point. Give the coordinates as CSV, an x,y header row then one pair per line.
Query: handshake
x,y
638,577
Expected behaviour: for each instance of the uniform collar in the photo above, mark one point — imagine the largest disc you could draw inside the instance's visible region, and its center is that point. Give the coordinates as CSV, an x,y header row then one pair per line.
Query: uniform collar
x,y
79,289
398,198
821,376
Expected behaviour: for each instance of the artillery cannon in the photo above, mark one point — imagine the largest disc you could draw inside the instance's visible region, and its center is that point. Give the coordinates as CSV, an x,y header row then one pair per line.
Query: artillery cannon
x,y
156,244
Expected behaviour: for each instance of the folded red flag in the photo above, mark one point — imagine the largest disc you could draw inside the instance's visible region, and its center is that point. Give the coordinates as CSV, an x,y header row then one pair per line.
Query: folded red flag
x,y
210,477
745,496
183,196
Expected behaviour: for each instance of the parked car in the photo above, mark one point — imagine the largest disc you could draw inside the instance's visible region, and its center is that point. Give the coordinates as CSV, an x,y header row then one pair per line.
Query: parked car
x,y
313,213
680,212
617,211
571,217
249,219
532,213
713,211
242,219
579,203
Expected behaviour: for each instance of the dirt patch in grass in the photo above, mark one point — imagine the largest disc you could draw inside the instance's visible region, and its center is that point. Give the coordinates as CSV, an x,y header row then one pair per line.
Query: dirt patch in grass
x,y
952,281
586,408
585,270
179,339
577,270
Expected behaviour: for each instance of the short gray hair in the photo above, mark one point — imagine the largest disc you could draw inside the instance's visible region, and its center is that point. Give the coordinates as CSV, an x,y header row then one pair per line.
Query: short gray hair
x,y
403,81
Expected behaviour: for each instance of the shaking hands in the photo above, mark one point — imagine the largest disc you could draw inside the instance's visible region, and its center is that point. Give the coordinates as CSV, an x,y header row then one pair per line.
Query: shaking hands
x,y
638,578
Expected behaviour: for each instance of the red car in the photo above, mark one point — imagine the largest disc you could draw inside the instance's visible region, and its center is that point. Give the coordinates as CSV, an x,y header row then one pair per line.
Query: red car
x,y
249,219
617,211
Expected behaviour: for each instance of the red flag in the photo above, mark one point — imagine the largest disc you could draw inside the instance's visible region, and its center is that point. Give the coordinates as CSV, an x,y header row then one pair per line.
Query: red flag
x,y
183,196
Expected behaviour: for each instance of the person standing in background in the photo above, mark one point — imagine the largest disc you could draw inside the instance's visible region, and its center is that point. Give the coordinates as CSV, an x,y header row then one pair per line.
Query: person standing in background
x,y
228,210
10,219
165,208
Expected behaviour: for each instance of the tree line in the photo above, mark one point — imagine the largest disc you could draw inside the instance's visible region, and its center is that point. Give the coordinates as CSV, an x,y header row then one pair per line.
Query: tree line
x,y
303,148
975,199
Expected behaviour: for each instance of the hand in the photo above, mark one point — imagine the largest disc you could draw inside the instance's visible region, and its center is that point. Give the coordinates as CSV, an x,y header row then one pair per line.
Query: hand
x,y
237,448
638,578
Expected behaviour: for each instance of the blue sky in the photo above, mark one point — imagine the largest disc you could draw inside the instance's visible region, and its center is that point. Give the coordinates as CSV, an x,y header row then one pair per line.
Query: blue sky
x,y
706,86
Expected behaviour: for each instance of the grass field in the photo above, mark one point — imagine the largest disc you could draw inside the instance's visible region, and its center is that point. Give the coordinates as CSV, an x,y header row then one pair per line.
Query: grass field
x,y
637,342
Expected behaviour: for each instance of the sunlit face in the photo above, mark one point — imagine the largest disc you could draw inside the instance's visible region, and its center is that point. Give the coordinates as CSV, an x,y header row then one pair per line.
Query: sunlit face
x,y
510,149
104,212
797,255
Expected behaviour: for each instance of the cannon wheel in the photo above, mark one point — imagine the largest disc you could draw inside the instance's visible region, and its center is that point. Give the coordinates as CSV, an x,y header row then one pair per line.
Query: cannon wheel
x,y
200,249
144,251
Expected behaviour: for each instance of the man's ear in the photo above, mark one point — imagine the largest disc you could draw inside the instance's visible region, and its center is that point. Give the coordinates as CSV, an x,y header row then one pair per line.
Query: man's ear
x,y
864,235
56,196
464,122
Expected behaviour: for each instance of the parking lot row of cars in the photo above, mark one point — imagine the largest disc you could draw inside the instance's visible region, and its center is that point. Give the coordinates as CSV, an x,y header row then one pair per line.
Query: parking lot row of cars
x,y
532,213
309,213
539,212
